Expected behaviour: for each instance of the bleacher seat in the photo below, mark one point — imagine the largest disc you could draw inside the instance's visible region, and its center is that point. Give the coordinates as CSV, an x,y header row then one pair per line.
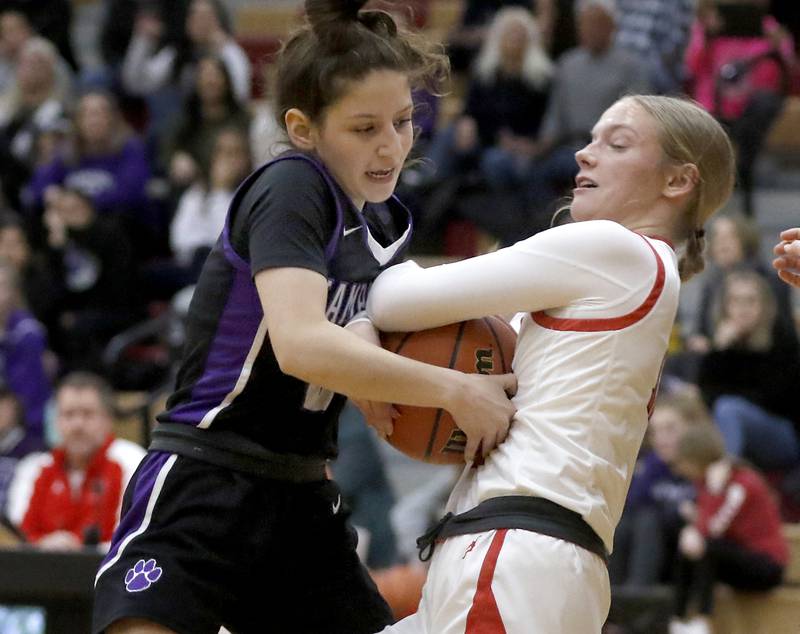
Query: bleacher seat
x,y
775,612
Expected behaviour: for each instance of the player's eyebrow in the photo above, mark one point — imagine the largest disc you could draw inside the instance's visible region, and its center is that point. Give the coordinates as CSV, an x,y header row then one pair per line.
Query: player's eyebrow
x,y
369,115
613,128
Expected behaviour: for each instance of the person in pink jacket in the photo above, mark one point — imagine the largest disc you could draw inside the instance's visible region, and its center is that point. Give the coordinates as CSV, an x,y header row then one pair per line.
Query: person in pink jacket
x,y
739,60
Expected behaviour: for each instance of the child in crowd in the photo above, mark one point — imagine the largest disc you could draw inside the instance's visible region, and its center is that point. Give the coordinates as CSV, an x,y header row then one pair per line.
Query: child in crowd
x,y
735,536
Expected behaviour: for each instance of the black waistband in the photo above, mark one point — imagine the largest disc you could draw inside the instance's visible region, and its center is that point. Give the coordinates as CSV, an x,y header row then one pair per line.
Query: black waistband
x,y
230,450
516,511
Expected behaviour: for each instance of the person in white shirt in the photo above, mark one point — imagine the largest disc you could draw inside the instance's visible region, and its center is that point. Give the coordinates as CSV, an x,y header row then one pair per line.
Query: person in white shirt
x,y
524,546
201,210
148,68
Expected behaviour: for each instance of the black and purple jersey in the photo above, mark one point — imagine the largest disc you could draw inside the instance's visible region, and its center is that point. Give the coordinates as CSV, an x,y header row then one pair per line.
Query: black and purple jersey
x,y
288,213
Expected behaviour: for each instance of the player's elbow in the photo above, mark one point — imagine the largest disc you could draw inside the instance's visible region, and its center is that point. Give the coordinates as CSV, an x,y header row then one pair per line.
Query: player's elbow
x,y
293,362
290,353
302,352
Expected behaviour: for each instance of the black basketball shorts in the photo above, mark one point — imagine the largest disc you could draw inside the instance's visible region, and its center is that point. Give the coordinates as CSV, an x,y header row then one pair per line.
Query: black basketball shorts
x,y
201,546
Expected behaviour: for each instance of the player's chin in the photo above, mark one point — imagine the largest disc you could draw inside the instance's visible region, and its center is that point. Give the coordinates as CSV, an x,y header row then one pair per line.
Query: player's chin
x,y
378,193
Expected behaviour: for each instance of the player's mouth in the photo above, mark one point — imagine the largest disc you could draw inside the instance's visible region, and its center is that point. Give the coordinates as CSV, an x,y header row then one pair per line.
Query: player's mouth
x,y
582,183
381,176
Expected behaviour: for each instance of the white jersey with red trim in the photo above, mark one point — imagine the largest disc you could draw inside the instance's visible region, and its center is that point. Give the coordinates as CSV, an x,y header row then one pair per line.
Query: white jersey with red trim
x,y
601,301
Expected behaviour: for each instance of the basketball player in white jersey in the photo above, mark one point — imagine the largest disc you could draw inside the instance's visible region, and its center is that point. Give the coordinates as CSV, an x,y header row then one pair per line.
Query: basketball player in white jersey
x,y
523,548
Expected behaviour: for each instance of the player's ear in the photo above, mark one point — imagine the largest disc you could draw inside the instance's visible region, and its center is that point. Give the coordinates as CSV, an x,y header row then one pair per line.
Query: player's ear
x,y
681,180
300,129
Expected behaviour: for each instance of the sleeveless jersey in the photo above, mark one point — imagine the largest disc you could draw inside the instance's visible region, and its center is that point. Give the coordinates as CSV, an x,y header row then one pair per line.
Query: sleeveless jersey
x,y
600,301
289,213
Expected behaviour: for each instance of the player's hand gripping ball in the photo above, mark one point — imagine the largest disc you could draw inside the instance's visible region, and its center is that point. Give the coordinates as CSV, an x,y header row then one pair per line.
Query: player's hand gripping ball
x,y
485,346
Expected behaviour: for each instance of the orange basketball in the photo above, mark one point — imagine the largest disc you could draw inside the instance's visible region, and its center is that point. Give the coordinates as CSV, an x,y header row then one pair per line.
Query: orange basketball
x,y
485,346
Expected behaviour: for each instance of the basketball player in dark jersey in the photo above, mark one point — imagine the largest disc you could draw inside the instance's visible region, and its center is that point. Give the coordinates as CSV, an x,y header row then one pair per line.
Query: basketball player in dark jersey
x,y
230,519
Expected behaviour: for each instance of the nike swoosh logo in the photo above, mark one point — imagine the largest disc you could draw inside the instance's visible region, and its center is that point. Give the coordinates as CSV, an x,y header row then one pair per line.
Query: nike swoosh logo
x,y
347,232
336,505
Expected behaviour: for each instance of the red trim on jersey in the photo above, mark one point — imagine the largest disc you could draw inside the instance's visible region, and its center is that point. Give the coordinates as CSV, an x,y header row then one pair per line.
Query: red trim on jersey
x,y
666,241
612,323
484,616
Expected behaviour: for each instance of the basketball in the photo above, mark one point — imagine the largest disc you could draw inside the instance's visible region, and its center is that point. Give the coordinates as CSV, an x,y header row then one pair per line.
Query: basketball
x,y
484,346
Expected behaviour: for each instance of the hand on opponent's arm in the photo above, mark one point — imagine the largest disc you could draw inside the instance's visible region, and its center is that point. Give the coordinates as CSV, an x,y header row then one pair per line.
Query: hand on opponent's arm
x,y
379,416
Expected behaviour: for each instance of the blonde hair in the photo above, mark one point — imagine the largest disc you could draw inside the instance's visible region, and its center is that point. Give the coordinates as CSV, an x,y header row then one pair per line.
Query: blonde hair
x,y
688,403
537,67
47,50
760,339
690,135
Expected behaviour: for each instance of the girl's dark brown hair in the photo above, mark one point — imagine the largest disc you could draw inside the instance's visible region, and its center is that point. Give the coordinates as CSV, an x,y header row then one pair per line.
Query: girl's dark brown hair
x,y
339,44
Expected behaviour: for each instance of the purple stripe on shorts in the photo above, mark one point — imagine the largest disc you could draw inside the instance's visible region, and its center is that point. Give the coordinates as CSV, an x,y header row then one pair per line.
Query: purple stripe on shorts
x,y
133,519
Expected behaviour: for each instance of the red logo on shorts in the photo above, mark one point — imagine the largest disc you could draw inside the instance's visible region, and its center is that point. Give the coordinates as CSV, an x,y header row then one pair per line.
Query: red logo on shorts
x,y
469,549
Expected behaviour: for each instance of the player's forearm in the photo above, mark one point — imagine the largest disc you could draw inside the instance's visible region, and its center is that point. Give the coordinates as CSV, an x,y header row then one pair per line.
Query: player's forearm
x,y
329,356
407,297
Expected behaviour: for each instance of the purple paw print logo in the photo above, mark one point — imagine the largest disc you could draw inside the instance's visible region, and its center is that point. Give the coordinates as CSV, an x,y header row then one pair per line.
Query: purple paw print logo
x,y
142,575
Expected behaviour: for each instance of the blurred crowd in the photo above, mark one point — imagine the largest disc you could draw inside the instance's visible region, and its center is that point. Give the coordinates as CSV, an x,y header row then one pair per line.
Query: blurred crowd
x,y
115,179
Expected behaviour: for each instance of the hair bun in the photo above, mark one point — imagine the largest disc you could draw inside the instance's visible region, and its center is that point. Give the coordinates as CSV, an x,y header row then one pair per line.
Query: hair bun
x,y
324,12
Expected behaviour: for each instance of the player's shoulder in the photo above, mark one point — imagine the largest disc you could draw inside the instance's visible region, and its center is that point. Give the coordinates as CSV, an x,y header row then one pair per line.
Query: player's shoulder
x,y
601,234
292,172
286,185
602,242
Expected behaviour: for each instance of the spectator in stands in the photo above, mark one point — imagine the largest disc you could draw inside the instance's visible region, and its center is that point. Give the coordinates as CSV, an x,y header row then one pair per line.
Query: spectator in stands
x,y
210,107
15,444
200,216
646,539
787,262
23,345
148,68
657,32
202,209
739,61
504,105
735,536
71,497
52,19
37,282
597,68
749,379
92,259
467,37
106,160
121,18
15,31
35,102
734,244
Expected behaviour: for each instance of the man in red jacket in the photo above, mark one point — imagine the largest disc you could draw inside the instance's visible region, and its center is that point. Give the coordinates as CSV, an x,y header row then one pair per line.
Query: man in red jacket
x,y
71,497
